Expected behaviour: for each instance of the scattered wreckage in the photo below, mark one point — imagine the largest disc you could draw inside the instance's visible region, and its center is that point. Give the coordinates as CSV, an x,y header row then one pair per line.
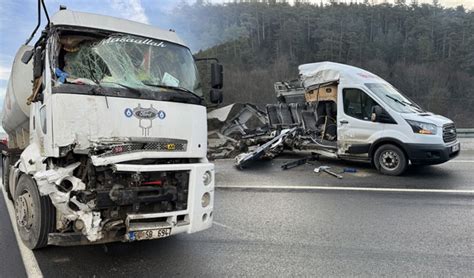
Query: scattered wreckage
x,y
108,143
337,111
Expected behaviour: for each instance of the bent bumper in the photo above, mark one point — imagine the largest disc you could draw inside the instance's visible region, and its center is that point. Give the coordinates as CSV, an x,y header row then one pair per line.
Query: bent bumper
x,y
193,219
429,154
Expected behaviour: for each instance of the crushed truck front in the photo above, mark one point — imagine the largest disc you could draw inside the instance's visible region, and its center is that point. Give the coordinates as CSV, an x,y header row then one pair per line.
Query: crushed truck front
x,y
118,136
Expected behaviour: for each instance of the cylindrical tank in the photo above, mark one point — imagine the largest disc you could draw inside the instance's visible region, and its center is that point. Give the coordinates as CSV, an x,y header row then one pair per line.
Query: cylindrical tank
x,y
16,112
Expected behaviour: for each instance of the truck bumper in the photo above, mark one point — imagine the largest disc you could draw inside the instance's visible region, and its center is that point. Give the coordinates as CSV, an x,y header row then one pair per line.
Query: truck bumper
x,y
193,219
429,154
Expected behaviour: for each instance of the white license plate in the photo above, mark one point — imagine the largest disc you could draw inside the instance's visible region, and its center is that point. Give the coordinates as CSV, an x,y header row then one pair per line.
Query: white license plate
x,y
149,234
455,148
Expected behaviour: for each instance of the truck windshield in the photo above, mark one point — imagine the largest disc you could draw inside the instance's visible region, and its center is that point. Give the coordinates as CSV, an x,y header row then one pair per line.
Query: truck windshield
x,y
128,62
393,98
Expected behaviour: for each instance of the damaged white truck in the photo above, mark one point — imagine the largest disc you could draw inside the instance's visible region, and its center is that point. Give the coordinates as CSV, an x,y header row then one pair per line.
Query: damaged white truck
x,y
107,134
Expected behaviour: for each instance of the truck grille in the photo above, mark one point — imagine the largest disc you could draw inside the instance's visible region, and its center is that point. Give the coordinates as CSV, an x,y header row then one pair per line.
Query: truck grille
x,y
449,133
173,145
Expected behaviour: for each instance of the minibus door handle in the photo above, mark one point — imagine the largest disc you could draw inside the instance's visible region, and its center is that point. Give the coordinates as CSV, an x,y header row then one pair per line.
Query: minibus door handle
x,y
343,122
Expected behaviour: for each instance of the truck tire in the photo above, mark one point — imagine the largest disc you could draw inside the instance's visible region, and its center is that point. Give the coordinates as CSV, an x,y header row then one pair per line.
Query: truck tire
x,y
390,160
35,215
6,176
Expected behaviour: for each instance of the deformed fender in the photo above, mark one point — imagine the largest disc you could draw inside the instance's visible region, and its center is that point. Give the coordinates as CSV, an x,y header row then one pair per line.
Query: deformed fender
x,y
31,160
48,182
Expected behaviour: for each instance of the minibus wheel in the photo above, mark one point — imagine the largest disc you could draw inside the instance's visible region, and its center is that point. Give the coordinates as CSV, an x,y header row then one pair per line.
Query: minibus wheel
x,y
390,160
35,215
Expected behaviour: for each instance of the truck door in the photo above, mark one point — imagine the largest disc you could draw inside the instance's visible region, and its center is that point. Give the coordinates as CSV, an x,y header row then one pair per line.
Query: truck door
x,y
355,130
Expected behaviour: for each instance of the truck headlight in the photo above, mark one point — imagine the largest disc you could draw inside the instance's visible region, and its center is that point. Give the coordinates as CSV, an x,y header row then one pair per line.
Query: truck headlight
x,y
422,128
206,199
207,178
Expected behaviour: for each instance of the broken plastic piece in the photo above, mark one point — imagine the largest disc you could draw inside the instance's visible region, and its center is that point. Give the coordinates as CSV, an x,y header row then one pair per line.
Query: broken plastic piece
x,y
49,182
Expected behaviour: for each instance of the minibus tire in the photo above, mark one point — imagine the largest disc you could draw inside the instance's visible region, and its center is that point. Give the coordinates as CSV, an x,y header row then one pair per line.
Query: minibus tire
x,y
35,215
390,160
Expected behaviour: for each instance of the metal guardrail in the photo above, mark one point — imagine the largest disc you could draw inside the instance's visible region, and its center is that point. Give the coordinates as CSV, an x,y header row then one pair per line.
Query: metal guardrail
x,y
465,132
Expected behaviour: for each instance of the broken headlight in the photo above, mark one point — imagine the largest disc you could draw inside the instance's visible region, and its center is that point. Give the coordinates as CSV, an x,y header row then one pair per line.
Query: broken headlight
x,y
422,128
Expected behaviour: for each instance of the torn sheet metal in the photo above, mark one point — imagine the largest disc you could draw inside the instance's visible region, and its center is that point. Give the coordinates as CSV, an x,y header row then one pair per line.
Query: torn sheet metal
x,y
238,120
266,149
49,184
315,74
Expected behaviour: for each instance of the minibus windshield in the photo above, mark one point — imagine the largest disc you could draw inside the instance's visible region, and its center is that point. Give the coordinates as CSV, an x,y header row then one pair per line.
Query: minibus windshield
x,y
393,98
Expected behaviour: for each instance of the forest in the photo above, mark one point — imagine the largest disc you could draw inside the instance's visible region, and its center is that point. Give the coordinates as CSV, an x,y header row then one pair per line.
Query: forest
x,y
426,51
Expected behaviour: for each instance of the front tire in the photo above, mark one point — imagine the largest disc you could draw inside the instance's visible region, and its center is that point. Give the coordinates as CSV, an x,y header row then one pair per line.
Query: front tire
x,y
35,215
390,160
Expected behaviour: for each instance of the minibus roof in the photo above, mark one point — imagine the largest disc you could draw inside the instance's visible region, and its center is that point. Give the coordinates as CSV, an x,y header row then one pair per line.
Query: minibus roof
x,y
315,74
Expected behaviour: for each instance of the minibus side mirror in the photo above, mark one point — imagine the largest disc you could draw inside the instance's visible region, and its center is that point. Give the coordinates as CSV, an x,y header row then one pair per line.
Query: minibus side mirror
x,y
376,113
379,115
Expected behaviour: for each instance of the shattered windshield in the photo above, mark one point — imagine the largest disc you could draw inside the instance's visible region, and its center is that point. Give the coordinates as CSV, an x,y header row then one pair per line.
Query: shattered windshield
x,y
127,62
393,98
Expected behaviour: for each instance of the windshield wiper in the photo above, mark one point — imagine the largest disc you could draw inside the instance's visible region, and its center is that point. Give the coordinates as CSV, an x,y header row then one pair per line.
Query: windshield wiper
x,y
396,100
174,88
405,103
131,89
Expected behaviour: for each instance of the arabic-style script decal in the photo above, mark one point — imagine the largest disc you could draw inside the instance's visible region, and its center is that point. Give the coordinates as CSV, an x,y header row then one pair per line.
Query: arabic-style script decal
x,y
145,116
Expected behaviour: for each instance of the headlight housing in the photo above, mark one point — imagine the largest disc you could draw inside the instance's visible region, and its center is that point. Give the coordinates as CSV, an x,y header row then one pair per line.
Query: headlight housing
x,y
205,199
422,128
207,178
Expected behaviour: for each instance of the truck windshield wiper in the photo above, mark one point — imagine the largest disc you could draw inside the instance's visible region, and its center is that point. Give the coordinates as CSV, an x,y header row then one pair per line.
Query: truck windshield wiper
x,y
131,89
174,88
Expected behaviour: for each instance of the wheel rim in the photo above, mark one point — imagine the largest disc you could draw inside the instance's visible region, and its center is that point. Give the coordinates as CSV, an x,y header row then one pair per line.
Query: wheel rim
x,y
389,160
24,210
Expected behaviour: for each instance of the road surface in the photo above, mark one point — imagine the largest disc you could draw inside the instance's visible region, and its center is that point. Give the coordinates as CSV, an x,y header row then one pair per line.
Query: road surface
x,y
277,231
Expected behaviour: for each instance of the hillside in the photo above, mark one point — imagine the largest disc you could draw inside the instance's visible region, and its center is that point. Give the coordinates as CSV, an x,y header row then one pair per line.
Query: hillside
x,y
426,51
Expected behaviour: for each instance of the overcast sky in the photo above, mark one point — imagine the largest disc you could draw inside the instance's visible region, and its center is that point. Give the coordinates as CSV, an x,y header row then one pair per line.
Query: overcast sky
x,y
18,18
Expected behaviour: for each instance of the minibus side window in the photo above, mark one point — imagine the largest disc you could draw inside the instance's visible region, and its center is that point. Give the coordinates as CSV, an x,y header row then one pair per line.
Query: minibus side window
x,y
357,104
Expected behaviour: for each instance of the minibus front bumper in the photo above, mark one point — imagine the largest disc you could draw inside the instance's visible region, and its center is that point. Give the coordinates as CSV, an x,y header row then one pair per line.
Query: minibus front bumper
x,y
429,154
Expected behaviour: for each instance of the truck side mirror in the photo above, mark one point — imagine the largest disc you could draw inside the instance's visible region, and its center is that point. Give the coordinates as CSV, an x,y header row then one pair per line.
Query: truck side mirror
x,y
38,63
217,76
216,96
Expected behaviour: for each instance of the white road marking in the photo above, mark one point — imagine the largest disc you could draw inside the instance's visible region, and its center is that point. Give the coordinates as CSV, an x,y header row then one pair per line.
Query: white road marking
x,y
29,260
342,188
461,161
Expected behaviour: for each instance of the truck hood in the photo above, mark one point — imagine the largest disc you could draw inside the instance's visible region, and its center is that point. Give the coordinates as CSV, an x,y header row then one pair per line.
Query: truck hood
x,y
169,129
427,117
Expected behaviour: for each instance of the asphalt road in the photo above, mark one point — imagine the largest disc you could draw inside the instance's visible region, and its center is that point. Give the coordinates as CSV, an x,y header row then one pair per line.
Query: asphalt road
x,y
308,233
272,232
456,174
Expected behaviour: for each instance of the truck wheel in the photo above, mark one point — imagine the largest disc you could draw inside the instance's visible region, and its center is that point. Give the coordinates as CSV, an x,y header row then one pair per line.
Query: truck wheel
x,y
390,160
35,215
6,176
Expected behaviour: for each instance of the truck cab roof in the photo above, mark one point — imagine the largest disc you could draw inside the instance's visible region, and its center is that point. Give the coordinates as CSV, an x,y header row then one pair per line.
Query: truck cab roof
x,y
315,74
109,23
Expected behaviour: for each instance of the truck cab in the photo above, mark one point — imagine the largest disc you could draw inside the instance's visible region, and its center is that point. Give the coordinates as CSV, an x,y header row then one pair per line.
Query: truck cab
x,y
115,141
